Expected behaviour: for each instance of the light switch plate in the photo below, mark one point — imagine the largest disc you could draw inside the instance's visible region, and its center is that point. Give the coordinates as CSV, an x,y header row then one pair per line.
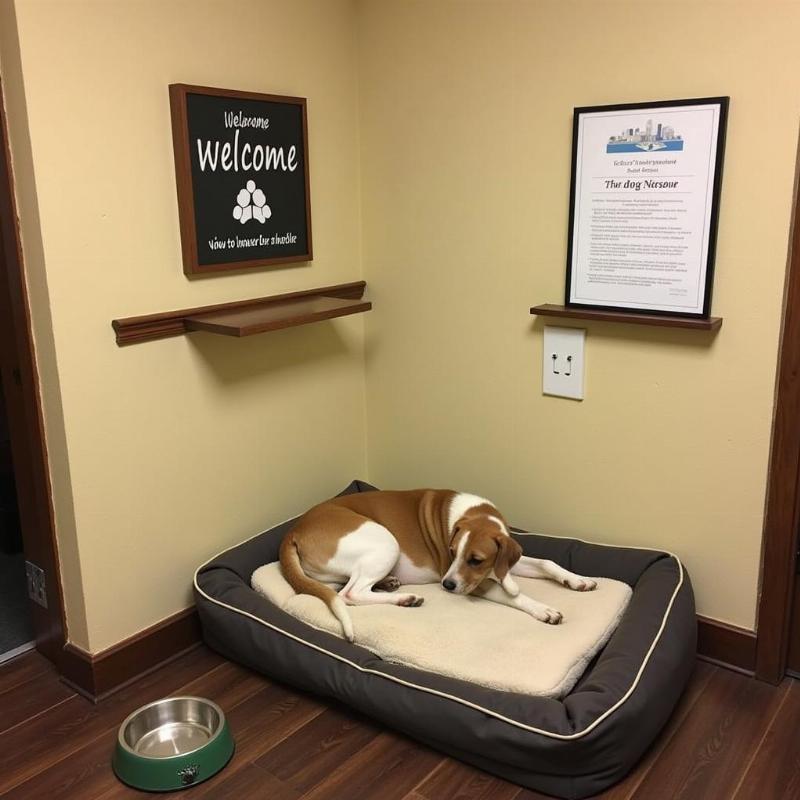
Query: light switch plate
x,y
563,360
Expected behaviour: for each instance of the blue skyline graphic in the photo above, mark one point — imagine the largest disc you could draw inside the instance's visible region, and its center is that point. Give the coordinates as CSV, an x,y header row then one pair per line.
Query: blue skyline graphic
x,y
636,140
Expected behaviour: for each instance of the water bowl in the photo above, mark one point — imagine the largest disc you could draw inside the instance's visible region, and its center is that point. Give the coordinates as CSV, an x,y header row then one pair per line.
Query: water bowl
x,y
172,744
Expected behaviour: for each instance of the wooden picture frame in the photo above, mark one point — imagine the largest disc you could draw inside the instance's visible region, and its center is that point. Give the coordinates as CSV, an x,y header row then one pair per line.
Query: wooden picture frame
x,y
267,220
617,260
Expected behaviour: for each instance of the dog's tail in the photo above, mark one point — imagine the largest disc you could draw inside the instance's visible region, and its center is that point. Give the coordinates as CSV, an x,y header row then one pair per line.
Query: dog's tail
x,y
293,572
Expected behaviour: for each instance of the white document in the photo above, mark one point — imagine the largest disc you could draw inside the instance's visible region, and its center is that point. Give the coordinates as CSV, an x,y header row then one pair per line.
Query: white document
x,y
644,193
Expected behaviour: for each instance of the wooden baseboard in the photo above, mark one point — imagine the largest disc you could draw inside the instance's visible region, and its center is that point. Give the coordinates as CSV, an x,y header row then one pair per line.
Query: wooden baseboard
x,y
96,676
726,645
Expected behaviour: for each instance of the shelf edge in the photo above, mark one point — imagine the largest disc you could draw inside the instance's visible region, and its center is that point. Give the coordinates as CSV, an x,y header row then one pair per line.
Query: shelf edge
x,y
161,325
222,329
663,321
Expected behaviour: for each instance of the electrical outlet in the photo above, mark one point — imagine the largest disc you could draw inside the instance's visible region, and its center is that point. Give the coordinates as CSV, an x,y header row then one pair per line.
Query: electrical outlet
x,y
37,591
562,367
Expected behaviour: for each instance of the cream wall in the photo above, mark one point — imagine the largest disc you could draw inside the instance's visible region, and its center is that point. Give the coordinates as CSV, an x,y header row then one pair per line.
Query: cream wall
x,y
452,120
466,130
180,447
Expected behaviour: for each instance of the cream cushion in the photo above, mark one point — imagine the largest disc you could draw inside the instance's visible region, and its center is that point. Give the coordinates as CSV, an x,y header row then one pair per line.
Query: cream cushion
x,y
472,639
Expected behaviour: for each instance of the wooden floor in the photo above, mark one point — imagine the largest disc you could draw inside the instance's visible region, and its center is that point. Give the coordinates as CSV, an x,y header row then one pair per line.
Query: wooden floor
x,y
731,738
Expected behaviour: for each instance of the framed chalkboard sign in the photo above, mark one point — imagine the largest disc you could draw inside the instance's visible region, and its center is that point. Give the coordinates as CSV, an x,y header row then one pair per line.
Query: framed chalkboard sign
x,y
241,164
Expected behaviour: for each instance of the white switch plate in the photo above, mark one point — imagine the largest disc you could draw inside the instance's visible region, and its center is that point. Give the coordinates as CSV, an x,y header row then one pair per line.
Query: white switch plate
x,y
562,368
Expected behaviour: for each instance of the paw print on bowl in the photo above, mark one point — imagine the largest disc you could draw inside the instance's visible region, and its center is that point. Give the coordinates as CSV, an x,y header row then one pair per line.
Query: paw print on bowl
x,y
251,203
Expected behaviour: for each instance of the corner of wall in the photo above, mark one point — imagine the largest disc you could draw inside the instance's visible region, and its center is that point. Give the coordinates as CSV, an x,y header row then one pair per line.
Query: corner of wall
x,y
11,73
357,8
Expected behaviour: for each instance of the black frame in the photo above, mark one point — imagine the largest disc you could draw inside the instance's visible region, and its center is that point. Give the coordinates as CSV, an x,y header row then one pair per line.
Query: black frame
x,y
714,220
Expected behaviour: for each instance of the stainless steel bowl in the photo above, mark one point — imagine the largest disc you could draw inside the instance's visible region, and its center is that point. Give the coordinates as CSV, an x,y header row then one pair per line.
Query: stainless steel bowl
x,y
172,743
171,727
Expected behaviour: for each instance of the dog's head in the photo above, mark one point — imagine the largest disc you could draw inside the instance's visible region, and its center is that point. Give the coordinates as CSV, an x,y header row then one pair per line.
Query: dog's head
x,y
481,549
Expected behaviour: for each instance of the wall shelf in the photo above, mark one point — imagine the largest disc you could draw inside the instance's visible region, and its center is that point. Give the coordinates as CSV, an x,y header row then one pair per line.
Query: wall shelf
x,y
247,317
550,310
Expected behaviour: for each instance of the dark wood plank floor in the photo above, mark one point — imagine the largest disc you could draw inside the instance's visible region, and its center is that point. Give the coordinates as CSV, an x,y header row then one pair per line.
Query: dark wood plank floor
x,y
731,738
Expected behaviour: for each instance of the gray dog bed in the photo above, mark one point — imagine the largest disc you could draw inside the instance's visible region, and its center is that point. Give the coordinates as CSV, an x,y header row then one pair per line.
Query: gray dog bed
x,y
571,748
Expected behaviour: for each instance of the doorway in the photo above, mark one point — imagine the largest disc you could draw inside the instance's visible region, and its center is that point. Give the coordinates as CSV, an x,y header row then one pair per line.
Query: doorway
x,y
27,539
16,627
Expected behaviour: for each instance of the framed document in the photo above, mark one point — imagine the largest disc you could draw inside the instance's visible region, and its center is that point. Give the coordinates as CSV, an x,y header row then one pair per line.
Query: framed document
x,y
241,163
644,205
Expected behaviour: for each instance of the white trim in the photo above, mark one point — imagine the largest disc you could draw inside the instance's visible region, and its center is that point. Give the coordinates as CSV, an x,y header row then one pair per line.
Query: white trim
x,y
531,728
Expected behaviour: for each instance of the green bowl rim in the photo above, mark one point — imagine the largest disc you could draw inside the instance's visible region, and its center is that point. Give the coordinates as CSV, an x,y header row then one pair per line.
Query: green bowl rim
x,y
217,733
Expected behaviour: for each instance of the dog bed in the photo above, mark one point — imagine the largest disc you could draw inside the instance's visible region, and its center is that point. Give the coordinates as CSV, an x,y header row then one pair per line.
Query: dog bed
x,y
571,748
473,639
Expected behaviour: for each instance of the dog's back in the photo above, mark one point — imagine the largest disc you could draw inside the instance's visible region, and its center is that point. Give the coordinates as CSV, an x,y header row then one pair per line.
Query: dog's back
x,y
416,520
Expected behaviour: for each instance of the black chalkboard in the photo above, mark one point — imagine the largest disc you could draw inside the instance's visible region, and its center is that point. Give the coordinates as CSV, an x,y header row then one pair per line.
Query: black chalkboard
x,y
241,162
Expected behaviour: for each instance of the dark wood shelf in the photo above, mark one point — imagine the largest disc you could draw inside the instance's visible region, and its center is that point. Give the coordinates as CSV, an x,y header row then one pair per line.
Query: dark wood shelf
x,y
550,310
248,317
247,321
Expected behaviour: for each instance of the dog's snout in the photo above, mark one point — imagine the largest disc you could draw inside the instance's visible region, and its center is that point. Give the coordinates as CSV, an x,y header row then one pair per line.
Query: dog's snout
x,y
449,584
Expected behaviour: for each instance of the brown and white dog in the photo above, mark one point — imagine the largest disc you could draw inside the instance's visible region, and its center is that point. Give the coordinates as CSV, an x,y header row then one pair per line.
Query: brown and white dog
x,y
344,549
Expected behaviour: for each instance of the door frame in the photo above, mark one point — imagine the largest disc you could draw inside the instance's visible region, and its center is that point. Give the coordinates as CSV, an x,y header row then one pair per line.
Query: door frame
x,y
782,513
20,380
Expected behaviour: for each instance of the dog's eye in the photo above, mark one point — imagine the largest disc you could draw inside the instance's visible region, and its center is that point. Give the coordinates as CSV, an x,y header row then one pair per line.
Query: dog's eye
x,y
475,562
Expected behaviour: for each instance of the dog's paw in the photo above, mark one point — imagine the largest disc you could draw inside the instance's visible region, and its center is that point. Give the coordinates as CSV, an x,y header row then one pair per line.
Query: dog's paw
x,y
579,584
388,584
548,615
410,600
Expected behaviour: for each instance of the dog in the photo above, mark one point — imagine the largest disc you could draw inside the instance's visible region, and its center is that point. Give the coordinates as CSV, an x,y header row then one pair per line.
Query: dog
x,y
359,548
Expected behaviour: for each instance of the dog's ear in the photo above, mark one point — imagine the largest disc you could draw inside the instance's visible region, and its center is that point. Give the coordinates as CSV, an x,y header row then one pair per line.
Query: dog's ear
x,y
456,531
508,553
